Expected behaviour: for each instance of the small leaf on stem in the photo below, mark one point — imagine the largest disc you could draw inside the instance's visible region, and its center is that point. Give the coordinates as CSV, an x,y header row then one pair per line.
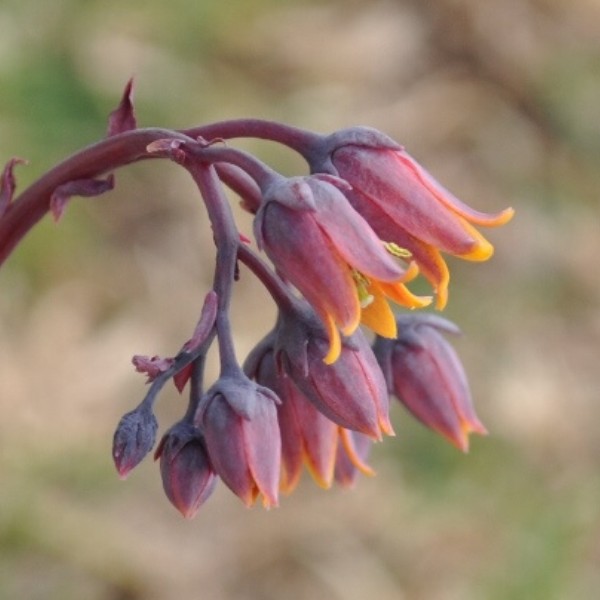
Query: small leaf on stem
x,y
86,188
8,183
123,117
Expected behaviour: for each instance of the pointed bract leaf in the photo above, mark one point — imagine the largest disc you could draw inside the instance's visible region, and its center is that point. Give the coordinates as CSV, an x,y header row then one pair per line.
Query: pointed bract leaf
x,y
151,366
206,322
8,183
123,117
86,188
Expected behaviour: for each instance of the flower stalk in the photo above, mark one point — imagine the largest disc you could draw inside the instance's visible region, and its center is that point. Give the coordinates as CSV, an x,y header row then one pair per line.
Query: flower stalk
x,y
343,245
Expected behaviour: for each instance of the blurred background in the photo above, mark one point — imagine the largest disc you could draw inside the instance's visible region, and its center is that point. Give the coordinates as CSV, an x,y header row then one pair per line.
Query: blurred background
x,y
501,101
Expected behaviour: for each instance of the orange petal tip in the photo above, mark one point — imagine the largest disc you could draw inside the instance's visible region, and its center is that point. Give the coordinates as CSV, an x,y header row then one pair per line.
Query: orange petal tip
x,y
441,297
353,455
412,270
483,251
501,218
335,343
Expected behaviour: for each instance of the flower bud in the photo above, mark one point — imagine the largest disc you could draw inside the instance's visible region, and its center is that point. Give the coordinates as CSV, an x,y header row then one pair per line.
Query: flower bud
x,y
134,438
187,474
239,421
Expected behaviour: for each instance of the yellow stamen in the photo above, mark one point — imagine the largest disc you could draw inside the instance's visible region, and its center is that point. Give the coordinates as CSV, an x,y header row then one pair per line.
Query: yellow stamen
x,y
362,287
397,251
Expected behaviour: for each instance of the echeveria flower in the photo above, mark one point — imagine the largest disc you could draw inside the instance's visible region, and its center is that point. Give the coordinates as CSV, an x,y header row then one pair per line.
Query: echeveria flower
x,y
352,391
405,205
426,375
321,245
308,437
239,421
343,242
187,474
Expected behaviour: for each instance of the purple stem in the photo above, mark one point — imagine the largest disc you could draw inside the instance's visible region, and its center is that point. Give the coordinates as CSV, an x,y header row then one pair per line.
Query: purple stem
x,y
227,241
262,174
125,148
242,184
97,159
196,388
295,138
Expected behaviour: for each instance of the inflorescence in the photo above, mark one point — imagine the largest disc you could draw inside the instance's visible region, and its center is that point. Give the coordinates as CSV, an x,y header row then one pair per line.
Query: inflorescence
x,y
342,242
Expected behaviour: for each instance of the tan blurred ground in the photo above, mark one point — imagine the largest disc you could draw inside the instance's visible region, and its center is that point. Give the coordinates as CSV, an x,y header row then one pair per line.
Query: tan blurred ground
x,y
501,100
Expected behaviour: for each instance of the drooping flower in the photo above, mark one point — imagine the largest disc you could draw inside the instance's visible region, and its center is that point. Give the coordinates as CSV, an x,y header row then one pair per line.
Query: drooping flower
x,y
308,437
187,474
426,375
239,421
352,391
405,205
321,245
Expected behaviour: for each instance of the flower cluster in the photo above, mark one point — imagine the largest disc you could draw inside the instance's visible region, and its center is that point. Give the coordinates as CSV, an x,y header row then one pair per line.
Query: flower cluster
x,y
343,244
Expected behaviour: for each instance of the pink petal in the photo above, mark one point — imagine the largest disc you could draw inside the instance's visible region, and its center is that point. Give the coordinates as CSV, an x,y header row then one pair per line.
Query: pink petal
x,y
352,236
307,258
383,178
452,202
262,446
